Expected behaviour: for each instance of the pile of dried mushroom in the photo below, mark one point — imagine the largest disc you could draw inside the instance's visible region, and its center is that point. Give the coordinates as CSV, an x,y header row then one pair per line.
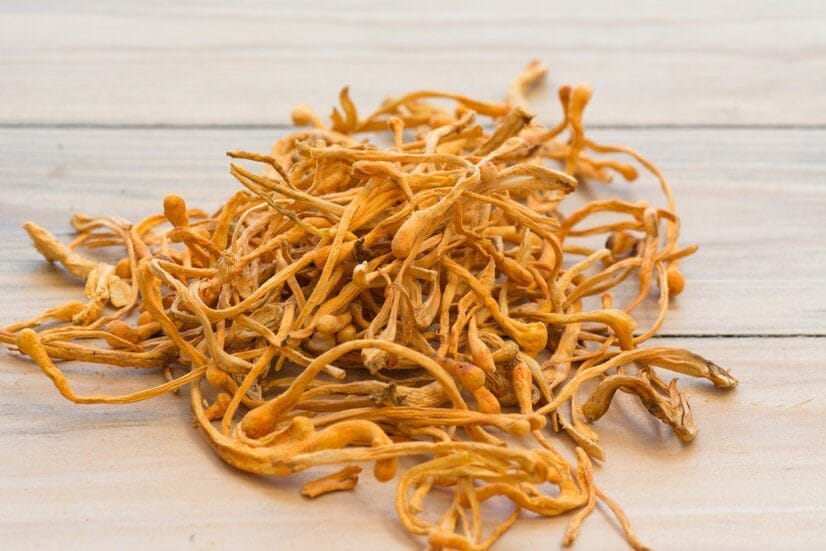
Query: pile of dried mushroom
x,y
418,295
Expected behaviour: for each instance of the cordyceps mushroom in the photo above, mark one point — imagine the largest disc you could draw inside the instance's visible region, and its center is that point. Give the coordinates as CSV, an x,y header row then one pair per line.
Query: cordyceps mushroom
x,y
102,283
671,408
403,283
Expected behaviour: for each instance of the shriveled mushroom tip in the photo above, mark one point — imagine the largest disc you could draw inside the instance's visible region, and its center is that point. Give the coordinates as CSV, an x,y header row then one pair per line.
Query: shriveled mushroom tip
x,y
720,376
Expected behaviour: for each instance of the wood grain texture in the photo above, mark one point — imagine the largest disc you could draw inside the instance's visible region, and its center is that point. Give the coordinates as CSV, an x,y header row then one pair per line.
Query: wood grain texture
x,y
754,200
173,85
142,476
704,62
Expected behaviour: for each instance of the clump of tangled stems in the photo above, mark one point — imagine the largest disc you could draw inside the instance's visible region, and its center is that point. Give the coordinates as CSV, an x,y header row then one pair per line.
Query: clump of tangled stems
x,y
418,295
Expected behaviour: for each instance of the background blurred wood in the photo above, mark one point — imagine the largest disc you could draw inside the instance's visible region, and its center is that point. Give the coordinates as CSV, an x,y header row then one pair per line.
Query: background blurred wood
x,y
105,108
710,62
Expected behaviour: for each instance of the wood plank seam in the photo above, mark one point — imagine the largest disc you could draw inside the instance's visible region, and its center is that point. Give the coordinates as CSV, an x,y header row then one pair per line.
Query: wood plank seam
x,y
284,127
739,336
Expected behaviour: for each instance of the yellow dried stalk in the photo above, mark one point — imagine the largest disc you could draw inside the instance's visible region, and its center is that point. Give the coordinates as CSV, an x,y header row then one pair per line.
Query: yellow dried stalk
x,y
418,295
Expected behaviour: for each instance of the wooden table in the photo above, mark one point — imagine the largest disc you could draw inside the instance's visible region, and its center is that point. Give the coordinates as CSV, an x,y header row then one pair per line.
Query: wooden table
x,y
105,108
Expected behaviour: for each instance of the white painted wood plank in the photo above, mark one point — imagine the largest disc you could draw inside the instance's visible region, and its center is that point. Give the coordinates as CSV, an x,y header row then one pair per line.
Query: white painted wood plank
x,y
98,477
650,62
754,200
